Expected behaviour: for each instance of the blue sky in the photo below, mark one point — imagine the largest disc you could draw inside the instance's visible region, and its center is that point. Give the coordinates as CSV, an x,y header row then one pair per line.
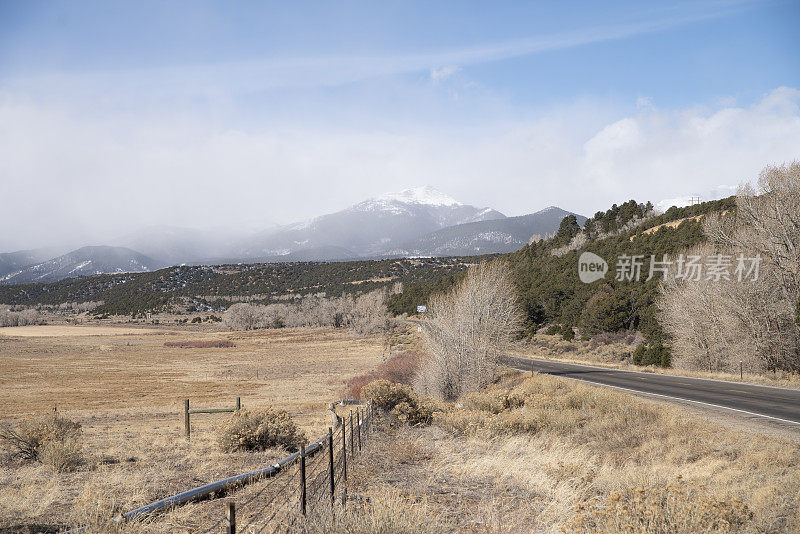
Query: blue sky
x,y
220,114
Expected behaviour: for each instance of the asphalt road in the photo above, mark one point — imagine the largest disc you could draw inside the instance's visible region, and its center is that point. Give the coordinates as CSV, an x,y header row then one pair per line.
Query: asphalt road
x,y
763,401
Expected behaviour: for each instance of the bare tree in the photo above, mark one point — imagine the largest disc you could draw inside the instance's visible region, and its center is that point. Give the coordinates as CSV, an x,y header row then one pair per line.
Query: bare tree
x,y
365,314
24,317
467,330
368,314
715,324
243,316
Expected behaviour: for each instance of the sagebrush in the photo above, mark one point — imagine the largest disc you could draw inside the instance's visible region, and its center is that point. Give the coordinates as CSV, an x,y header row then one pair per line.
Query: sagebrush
x,y
401,401
51,439
259,430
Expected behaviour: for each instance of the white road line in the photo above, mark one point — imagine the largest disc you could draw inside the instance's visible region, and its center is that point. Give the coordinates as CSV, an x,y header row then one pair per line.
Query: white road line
x,y
685,400
742,383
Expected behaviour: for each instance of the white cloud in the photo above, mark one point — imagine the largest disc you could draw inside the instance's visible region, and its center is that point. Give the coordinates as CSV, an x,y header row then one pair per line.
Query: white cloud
x,y
716,193
67,174
441,74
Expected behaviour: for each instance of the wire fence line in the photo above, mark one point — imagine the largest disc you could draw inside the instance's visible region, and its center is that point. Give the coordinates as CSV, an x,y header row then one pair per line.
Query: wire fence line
x,y
311,482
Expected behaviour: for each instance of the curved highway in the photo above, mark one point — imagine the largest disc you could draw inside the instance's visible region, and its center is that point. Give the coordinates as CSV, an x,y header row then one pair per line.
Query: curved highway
x,y
763,401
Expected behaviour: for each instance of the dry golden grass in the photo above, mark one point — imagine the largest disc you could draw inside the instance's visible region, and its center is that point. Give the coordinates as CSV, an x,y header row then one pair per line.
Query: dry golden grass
x,y
62,330
126,389
578,458
618,355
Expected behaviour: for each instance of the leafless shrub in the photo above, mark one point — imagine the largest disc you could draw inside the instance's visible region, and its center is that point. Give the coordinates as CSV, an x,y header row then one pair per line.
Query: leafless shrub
x,y
468,328
400,368
364,314
19,318
714,324
51,439
79,307
608,338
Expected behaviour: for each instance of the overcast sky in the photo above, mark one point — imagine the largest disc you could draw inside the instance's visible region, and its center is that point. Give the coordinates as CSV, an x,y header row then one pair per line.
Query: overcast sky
x,y
210,114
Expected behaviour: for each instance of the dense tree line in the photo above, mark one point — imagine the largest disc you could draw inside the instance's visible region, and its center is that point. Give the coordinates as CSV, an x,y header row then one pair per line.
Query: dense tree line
x,y
219,286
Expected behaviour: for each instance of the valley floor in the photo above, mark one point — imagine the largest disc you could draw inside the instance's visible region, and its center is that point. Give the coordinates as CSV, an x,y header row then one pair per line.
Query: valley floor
x,y
126,389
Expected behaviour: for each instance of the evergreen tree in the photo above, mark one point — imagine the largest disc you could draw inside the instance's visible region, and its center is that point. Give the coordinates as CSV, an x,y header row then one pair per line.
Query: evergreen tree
x,y
568,229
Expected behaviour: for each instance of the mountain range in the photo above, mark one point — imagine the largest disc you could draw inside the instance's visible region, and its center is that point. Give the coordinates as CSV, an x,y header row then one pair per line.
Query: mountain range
x,y
84,261
415,222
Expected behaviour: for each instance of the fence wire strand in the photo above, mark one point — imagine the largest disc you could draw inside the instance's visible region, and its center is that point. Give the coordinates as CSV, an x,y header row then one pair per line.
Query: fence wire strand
x,y
276,507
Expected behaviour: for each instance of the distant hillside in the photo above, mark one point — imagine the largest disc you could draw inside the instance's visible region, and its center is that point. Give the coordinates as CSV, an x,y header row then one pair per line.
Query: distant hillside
x,y
214,288
499,235
16,261
84,261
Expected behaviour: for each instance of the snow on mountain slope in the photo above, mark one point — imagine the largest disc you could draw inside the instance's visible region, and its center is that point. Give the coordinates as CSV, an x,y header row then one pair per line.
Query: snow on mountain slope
x,y
373,226
84,261
486,237
421,195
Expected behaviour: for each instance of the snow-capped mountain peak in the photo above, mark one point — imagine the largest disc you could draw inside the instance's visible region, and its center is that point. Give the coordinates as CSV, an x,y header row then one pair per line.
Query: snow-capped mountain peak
x,y
420,195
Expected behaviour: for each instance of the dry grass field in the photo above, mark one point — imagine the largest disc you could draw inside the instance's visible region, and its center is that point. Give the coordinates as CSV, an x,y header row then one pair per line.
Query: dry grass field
x,y
126,389
546,454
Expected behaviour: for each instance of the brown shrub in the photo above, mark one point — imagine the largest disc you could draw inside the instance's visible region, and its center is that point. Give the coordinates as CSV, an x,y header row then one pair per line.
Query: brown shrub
x,y
400,368
678,507
401,401
493,400
62,456
201,344
609,338
260,430
49,438
386,395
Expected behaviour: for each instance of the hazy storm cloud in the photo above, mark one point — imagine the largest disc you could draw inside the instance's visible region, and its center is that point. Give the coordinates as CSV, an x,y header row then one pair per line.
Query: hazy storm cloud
x,y
76,176
211,125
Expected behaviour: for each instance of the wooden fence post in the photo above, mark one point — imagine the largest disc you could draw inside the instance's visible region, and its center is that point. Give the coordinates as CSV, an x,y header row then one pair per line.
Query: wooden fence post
x,y
238,403
344,461
330,465
303,479
230,518
186,417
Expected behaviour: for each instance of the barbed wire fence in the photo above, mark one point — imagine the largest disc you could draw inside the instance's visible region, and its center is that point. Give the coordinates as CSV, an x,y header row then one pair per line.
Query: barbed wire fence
x,y
314,483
